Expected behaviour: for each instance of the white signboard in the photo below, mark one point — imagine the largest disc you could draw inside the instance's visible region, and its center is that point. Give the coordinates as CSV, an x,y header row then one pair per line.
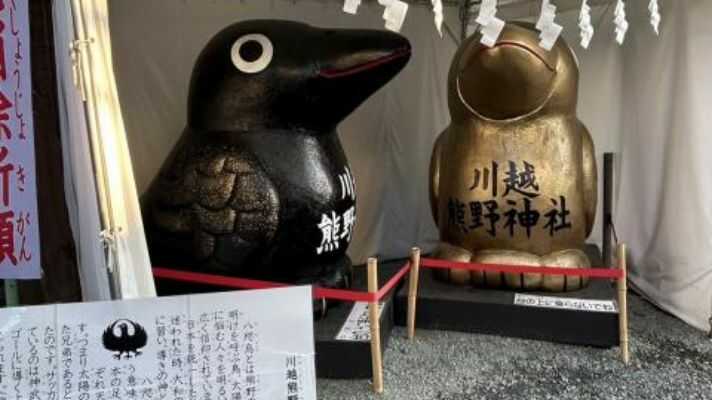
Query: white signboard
x,y
226,346
357,327
19,232
564,303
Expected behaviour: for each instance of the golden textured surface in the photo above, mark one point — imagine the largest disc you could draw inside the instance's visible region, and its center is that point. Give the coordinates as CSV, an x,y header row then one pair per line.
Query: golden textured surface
x,y
513,178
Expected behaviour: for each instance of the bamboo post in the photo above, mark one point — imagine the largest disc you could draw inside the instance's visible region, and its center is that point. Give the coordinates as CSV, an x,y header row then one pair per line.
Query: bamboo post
x,y
623,303
413,289
374,321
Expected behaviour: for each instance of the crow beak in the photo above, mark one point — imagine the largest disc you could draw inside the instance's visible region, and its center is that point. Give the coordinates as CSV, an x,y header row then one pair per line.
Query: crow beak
x,y
352,65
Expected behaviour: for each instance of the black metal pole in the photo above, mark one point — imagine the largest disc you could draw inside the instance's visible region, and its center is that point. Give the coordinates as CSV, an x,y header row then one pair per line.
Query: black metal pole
x,y
464,18
607,207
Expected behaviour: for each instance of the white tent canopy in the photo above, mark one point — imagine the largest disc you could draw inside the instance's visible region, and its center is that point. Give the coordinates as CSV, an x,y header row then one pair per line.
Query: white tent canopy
x,y
644,100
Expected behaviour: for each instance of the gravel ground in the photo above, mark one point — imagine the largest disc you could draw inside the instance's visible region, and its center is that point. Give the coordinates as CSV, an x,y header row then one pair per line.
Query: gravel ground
x,y
669,360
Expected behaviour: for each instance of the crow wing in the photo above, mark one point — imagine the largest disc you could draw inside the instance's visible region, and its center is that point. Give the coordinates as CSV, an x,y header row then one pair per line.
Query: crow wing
x,y
213,203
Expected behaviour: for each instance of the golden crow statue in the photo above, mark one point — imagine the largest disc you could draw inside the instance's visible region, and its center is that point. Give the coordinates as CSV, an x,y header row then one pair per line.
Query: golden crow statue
x,y
513,178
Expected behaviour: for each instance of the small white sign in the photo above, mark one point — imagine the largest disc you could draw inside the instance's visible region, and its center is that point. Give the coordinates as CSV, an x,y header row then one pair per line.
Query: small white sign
x,y
357,327
234,345
565,303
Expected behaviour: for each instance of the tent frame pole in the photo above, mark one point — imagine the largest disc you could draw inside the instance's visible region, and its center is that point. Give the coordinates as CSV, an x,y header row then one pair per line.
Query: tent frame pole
x,y
608,164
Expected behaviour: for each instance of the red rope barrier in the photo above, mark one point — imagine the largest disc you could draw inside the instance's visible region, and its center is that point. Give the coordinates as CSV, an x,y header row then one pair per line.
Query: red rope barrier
x,y
600,273
342,294
393,281
214,280
353,295
242,283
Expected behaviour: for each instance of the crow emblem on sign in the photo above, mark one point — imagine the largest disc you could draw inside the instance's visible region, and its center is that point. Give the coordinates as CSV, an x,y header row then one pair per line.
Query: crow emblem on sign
x,y
125,338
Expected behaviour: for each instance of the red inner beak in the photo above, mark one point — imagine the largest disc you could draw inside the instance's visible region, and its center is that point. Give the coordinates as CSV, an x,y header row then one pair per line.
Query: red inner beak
x,y
332,73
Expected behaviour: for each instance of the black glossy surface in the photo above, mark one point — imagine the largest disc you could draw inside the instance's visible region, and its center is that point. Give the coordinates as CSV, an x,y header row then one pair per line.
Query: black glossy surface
x,y
260,164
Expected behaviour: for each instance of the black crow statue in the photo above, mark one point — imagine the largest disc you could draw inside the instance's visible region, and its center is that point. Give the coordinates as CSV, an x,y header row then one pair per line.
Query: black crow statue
x,y
258,186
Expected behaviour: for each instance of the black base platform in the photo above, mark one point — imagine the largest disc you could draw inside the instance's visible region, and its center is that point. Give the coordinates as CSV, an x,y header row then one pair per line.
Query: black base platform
x,y
337,359
465,309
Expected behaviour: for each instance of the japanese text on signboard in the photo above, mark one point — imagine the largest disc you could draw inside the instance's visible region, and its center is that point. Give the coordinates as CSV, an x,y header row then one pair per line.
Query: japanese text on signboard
x,y
19,233
256,345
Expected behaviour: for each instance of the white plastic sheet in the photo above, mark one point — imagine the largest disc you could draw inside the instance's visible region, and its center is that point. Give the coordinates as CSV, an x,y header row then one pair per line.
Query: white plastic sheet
x,y
96,128
79,184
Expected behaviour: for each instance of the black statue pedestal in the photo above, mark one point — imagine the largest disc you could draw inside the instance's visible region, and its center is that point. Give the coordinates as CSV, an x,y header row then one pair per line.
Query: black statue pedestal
x,y
337,359
465,309
340,359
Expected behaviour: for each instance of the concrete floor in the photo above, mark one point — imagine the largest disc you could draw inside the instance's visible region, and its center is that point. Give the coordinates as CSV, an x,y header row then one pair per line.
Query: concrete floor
x,y
669,360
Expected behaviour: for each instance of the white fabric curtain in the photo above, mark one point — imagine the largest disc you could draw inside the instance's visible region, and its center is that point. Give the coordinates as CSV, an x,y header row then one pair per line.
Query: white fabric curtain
x,y
101,191
664,203
644,100
653,95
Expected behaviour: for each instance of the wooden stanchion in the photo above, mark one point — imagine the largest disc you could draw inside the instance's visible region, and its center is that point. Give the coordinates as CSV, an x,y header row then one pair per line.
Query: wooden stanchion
x,y
413,289
374,320
623,303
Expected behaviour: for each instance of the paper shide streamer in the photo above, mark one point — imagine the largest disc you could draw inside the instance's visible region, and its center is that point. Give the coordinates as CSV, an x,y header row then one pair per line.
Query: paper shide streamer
x,y
549,29
620,22
438,15
491,25
394,14
585,26
654,15
351,6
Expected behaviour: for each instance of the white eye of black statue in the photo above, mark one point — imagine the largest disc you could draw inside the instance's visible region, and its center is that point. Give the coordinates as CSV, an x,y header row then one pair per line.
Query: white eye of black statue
x,y
252,53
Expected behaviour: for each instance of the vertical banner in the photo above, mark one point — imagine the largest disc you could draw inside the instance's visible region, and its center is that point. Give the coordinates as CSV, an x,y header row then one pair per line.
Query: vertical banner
x,y
19,231
249,345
